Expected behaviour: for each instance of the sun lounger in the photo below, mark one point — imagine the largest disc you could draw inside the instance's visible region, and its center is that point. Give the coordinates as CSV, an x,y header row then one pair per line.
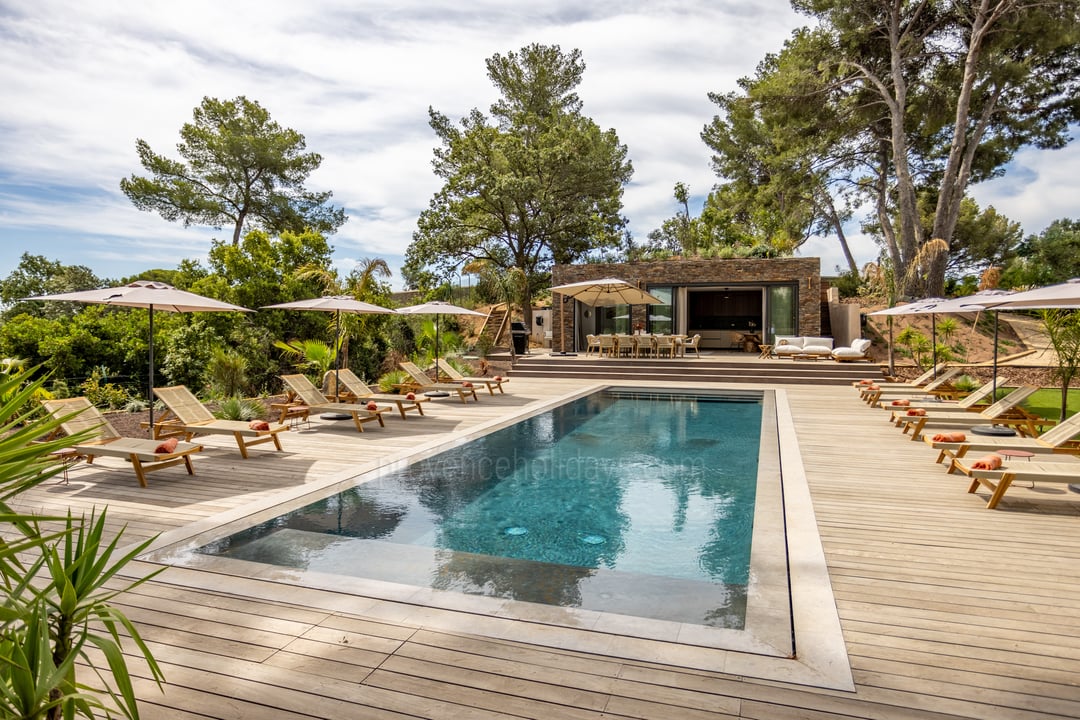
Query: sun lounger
x,y
998,480
973,401
1006,411
145,455
354,389
420,382
188,417
918,382
941,387
309,395
451,372
1057,440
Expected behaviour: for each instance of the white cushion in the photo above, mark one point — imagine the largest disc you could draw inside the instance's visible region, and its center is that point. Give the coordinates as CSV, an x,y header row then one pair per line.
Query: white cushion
x,y
846,352
818,342
861,345
788,341
817,350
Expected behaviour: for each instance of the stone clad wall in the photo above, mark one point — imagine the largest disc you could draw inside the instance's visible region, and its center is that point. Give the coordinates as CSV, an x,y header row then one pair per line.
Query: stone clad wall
x,y
805,271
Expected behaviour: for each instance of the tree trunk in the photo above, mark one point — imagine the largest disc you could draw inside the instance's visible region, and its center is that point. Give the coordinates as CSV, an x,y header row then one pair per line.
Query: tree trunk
x,y
838,228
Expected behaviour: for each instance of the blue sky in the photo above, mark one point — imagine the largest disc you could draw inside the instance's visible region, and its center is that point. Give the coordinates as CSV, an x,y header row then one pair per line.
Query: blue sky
x,y
82,80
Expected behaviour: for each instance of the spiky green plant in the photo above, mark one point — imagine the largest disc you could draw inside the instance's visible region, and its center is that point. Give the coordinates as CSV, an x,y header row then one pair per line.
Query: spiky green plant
x,y
56,605
392,378
238,408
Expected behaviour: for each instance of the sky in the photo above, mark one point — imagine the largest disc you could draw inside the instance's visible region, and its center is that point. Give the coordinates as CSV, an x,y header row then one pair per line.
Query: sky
x,y
82,80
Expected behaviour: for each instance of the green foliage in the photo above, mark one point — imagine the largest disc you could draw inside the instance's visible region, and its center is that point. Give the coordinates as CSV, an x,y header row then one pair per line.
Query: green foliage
x,y
312,355
226,375
1051,257
36,275
914,345
388,381
59,585
966,383
102,393
1063,328
238,408
893,103
448,340
238,167
535,184
187,352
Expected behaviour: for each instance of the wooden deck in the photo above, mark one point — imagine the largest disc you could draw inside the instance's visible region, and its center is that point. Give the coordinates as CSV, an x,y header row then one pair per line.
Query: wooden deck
x,y
948,610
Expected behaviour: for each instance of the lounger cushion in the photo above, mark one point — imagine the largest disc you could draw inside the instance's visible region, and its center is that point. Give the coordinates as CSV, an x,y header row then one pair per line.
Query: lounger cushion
x,y
166,446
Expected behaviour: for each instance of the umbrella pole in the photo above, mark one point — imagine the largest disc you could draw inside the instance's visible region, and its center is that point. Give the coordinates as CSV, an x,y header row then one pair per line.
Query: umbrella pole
x,y
993,397
337,355
437,393
150,375
933,340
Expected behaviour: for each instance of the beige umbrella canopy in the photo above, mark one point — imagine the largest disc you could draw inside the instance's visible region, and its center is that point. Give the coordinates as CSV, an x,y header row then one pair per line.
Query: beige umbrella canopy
x,y
606,292
437,308
153,296
336,304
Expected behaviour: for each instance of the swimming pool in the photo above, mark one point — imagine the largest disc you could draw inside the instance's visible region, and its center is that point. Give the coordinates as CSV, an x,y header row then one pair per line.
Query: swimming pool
x,y
634,502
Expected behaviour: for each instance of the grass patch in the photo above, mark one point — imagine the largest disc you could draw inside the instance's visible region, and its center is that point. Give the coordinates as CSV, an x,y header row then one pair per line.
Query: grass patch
x,y
1047,402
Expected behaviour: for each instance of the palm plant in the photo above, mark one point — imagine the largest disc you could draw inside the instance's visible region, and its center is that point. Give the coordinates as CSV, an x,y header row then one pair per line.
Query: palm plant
x,y
311,355
56,605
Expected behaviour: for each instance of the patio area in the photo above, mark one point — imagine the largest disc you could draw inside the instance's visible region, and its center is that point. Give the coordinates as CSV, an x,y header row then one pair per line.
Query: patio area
x,y
947,610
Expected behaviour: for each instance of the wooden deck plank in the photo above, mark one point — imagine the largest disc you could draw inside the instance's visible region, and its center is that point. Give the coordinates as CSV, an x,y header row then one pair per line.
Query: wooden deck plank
x,y
949,610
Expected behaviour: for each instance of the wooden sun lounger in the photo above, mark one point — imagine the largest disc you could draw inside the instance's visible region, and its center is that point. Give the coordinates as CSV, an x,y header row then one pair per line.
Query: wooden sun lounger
x,y
353,387
973,401
939,387
998,481
914,384
1006,411
187,417
1058,439
422,383
310,396
78,414
453,375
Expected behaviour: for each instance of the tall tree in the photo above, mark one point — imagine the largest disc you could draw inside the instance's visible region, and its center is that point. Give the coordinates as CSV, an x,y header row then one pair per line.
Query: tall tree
x,y
535,184
239,168
787,149
962,84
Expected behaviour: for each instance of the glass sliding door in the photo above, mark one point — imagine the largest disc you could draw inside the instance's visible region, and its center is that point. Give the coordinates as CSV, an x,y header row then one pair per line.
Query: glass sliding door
x,y
661,317
781,307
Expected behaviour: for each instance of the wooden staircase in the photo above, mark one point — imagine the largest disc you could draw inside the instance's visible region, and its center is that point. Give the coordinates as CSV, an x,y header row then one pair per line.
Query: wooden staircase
x,y
496,326
729,367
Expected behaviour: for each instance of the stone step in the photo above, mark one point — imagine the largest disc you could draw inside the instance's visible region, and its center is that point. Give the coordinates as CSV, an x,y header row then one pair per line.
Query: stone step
x,y
703,369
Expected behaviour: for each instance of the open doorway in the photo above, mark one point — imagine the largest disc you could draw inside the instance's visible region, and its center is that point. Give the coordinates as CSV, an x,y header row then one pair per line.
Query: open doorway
x,y
725,317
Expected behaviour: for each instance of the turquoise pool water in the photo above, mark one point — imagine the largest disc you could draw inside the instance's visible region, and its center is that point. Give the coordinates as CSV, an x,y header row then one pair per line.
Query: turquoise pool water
x,y
622,501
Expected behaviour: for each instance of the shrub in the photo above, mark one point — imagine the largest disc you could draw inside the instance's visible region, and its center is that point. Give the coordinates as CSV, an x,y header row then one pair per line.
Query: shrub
x,y
238,408
392,378
103,394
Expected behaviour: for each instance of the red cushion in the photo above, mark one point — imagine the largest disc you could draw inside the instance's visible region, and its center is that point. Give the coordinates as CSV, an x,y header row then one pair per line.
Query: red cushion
x,y
916,412
498,378
166,446
466,384
372,405
410,396
259,425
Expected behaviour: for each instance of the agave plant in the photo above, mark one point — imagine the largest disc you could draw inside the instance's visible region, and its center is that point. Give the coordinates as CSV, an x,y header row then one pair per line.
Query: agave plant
x,y
56,605
238,408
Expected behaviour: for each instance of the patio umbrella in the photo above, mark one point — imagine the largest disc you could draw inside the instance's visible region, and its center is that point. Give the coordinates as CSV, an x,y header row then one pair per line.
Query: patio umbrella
x,y
437,308
153,296
918,307
976,303
1064,295
336,304
606,292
